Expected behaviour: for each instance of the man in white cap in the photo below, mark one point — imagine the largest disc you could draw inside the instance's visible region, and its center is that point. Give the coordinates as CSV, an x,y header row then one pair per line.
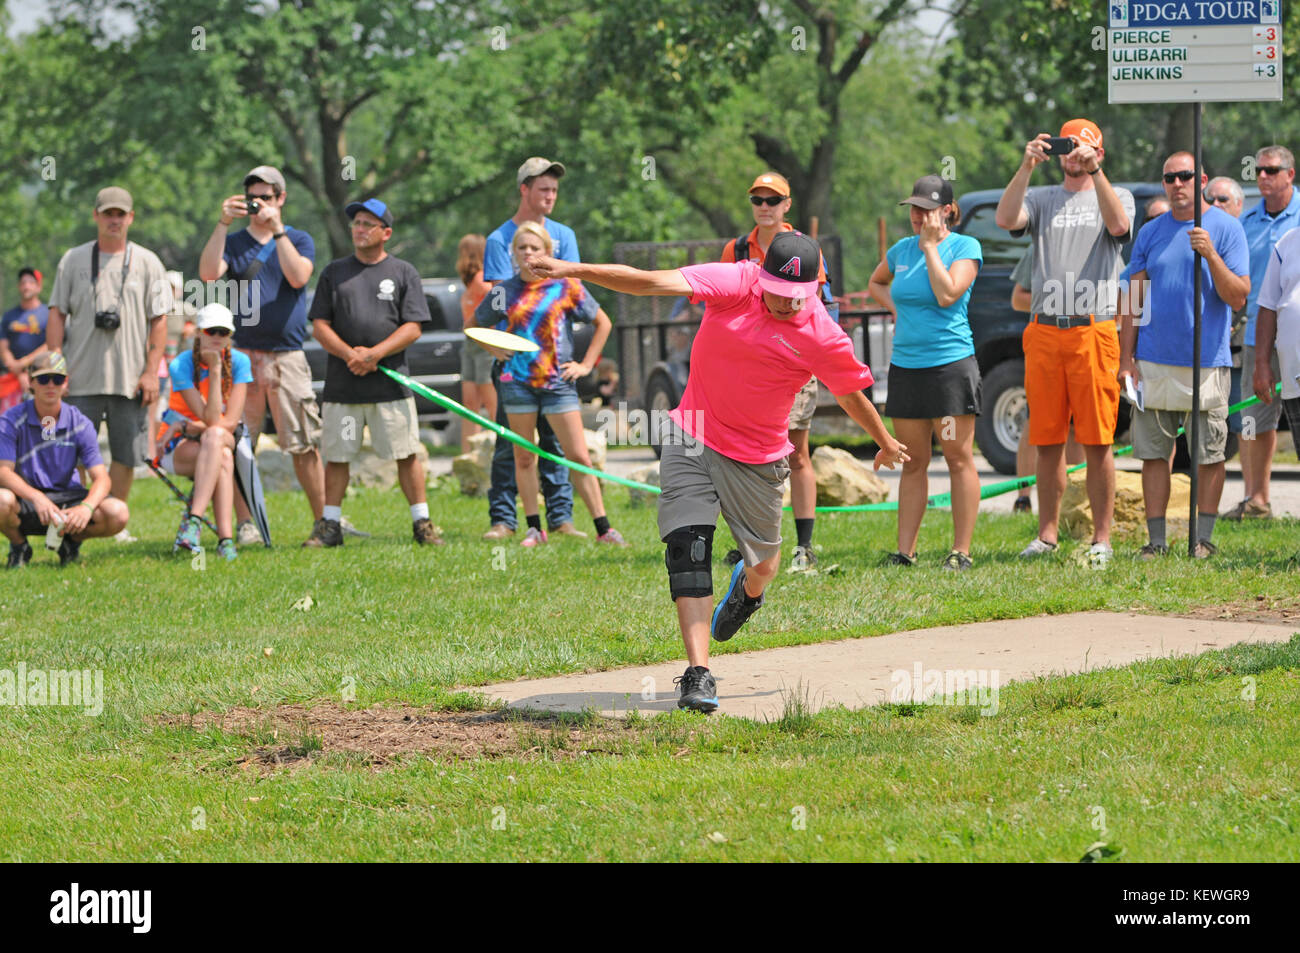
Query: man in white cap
x,y
108,314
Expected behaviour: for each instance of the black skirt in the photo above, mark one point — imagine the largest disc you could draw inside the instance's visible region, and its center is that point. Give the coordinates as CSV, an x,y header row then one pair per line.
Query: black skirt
x,y
926,393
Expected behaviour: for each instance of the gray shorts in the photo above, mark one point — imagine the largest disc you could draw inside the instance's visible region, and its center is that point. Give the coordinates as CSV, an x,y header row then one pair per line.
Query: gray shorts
x,y
804,406
128,438
1155,431
699,483
475,364
1265,416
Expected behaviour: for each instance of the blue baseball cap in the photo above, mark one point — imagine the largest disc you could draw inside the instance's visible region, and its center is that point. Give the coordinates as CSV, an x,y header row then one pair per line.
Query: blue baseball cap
x,y
375,207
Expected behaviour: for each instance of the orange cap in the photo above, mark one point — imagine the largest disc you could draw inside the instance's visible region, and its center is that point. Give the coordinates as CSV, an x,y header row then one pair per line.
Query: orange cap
x,y
1084,131
771,180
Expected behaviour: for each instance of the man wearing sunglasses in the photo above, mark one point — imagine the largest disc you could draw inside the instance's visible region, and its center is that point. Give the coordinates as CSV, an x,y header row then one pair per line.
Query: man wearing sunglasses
x,y
273,263
1225,193
1071,345
1156,346
108,315
770,198
1277,213
42,442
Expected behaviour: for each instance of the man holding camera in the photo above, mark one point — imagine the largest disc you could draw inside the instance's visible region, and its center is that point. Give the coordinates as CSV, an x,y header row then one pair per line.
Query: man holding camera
x,y
1071,344
108,313
273,263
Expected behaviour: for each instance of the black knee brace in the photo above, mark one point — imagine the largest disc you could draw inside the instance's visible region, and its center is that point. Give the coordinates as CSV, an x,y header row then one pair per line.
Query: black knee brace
x,y
688,557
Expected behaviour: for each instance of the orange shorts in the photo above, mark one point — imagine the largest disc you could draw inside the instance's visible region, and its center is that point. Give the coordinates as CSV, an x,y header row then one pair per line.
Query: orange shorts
x,y
1071,372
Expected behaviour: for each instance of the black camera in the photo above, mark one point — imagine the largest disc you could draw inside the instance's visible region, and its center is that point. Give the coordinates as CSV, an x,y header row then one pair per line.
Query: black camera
x,y
253,204
108,320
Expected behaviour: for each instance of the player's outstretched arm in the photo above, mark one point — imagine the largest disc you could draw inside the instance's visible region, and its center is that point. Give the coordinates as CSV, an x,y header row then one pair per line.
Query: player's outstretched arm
x,y
864,415
621,278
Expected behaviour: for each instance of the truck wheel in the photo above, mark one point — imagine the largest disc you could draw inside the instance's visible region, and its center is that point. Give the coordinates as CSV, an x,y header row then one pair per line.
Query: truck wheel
x,y
660,397
1004,415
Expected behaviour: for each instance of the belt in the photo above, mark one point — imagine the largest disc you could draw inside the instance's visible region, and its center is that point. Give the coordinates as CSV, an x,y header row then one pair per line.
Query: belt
x,y
1071,320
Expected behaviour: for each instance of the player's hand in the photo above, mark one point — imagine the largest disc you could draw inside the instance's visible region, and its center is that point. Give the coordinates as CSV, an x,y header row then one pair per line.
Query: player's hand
x,y
1263,380
573,370
45,509
75,519
268,216
149,386
233,208
891,454
1085,155
1202,244
362,361
931,228
1036,151
543,266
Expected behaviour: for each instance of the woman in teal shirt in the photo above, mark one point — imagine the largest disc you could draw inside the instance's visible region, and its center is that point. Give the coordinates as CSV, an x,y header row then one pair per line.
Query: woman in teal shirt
x,y
934,380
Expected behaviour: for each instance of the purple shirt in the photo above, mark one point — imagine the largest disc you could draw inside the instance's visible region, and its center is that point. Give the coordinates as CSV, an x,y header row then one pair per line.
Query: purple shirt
x,y
47,458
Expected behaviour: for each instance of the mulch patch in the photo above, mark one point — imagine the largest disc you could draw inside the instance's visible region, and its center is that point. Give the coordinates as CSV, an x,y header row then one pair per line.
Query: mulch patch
x,y
301,734
1276,611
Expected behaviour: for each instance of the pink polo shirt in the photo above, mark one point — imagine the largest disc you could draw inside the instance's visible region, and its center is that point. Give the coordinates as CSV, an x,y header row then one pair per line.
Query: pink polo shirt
x,y
747,366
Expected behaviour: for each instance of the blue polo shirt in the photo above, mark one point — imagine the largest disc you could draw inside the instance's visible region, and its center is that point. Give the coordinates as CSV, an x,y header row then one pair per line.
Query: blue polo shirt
x,y
497,265
1164,252
24,328
1262,233
47,457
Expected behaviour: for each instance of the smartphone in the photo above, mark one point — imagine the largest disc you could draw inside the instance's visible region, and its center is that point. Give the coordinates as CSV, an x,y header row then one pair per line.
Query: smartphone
x,y
1060,146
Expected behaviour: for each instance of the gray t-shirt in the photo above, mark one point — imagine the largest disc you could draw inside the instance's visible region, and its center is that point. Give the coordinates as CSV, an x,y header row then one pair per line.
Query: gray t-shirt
x,y
1023,273
1076,261
101,361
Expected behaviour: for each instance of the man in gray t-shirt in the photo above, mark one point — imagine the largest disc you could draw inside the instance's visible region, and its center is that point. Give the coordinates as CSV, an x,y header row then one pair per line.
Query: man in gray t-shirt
x,y
1071,344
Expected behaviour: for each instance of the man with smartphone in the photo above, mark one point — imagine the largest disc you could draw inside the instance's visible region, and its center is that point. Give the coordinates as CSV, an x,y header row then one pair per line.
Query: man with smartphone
x,y
1071,343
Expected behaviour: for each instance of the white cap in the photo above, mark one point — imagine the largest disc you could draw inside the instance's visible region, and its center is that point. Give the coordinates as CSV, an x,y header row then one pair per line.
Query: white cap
x,y
215,315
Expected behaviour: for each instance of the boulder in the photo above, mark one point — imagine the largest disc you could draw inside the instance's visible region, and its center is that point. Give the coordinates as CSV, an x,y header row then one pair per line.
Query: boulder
x,y
474,469
276,467
648,475
1130,517
843,480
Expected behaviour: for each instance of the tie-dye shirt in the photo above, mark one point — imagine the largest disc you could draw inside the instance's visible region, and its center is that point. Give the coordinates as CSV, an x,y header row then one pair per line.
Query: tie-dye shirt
x,y
542,312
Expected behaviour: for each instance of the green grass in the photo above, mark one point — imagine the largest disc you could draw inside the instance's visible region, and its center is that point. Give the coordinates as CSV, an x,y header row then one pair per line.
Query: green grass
x,y
1185,759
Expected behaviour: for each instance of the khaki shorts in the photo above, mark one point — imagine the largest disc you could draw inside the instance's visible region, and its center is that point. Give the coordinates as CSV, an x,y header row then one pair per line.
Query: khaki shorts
x,y
282,380
804,406
394,433
1154,433
1265,416
699,483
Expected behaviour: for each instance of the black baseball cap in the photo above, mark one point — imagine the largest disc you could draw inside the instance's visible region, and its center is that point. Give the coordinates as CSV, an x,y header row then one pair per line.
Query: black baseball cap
x,y
929,192
29,270
791,266
375,207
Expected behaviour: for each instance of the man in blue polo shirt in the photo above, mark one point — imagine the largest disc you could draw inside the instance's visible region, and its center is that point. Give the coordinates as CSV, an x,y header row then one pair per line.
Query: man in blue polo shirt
x,y
1156,347
538,181
42,441
1276,214
22,337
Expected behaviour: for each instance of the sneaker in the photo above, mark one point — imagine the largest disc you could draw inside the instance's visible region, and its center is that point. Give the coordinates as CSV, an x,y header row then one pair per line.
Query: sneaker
x,y
324,533
533,538
499,531
1151,551
187,537
900,559
804,559
1037,548
699,689
227,551
20,554
69,550
125,537
1023,505
1249,509
1204,549
426,534
733,557
957,561
734,609
247,534
611,536
345,524
1100,555
568,529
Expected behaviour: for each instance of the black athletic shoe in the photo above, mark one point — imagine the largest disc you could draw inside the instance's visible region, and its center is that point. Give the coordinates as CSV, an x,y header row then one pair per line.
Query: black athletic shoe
x,y
733,557
1023,505
69,550
324,533
899,559
734,609
699,690
20,554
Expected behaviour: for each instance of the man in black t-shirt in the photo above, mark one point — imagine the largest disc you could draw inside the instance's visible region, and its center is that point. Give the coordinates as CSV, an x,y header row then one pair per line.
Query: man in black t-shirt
x,y
368,309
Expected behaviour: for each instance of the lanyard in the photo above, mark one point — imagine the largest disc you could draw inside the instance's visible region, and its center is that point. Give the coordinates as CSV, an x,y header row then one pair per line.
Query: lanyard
x,y
94,273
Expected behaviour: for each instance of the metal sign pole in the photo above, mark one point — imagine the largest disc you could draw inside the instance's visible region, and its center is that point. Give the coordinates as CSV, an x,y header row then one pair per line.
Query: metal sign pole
x,y
1193,432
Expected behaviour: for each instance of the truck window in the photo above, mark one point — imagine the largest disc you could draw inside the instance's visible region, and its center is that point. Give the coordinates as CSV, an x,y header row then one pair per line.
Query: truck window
x,y
999,247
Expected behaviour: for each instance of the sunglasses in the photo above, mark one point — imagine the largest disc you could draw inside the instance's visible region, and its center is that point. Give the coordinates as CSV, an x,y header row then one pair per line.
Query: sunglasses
x,y
772,200
217,332
1186,175
268,197
1221,199
57,380
1271,169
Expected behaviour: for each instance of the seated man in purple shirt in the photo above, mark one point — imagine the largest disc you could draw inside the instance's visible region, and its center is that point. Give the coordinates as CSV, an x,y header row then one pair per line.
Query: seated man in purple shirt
x,y
41,442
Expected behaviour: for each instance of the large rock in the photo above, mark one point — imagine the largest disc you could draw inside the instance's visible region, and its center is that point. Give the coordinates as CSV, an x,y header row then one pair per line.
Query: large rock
x,y
474,469
1130,517
649,475
843,480
276,467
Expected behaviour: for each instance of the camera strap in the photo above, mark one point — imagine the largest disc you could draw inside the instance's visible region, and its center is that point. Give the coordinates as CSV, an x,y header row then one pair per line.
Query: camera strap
x,y
263,256
94,274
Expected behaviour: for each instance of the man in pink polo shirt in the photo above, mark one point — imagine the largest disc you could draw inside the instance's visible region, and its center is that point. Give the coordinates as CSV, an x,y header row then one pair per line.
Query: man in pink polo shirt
x,y
764,333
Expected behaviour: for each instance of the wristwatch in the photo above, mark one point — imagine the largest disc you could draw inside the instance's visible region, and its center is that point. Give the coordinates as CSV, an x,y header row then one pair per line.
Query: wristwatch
x,y
277,236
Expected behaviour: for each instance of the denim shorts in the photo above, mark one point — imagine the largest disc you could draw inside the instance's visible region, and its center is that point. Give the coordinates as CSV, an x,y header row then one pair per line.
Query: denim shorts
x,y
519,398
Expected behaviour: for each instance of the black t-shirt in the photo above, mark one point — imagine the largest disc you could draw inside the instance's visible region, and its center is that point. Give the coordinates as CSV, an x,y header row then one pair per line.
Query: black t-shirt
x,y
364,304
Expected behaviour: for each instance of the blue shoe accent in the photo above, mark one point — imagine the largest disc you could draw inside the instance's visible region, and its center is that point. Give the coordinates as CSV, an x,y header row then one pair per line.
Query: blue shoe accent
x,y
737,573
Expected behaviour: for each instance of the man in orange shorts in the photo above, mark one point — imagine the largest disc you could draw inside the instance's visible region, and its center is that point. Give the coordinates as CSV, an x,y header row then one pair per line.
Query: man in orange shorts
x,y
1071,344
